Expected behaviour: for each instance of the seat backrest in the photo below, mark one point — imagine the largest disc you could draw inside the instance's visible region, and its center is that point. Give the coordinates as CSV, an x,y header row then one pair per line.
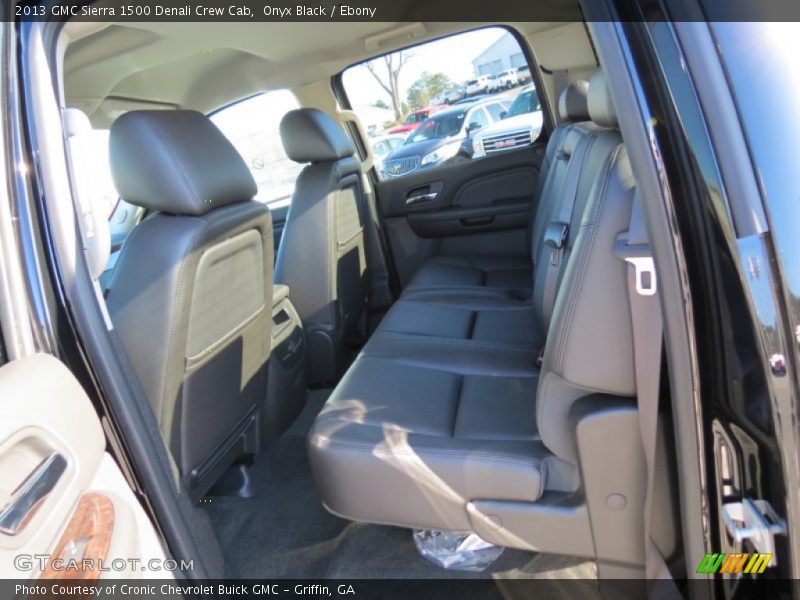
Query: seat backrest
x,y
589,343
583,150
191,295
322,252
573,111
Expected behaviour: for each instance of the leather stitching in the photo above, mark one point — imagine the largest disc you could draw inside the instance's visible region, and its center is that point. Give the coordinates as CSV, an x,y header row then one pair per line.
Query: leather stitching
x,y
323,442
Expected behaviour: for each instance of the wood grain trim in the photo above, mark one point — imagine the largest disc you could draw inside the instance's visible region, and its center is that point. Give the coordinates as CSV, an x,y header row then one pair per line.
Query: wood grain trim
x,y
83,546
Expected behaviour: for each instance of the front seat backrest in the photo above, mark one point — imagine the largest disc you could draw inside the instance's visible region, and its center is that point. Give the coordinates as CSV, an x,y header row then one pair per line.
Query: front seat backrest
x,y
191,295
321,256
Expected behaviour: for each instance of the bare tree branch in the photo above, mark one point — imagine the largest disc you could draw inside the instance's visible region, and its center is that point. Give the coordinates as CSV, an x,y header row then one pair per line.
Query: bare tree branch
x,y
390,83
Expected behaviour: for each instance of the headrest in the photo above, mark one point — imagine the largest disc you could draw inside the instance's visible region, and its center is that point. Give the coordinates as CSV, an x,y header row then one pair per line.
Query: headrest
x,y
601,110
572,104
176,161
309,135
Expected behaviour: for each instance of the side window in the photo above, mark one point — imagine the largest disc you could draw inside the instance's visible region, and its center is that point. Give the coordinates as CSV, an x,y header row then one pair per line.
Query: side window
x,y
477,120
427,96
496,110
252,127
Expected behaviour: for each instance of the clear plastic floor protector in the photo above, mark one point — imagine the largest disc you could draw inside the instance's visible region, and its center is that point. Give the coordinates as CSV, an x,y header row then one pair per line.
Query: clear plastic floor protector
x,y
458,551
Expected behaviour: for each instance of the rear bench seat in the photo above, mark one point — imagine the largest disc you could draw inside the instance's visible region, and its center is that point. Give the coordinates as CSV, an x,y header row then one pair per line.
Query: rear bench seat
x,y
493,317
513,273
426,430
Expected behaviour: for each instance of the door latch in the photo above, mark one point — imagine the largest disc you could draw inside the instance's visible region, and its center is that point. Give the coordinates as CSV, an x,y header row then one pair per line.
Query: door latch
x,y
756,521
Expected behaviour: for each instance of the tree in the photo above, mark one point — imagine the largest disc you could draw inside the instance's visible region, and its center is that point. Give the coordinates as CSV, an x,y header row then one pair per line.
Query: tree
x,y
380,104
426,87
388,77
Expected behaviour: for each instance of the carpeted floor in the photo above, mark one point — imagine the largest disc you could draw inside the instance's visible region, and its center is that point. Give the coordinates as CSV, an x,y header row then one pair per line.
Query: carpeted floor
x,y
284,532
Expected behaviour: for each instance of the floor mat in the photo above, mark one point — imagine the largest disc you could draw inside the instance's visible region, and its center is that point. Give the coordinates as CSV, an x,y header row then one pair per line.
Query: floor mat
x,y
284,532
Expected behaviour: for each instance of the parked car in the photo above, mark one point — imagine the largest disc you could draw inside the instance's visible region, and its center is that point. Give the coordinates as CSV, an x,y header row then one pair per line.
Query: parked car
x,y
442,138
480,85
473,99
454,94
382,146
505,80
439,99
524,75
518,127
414,118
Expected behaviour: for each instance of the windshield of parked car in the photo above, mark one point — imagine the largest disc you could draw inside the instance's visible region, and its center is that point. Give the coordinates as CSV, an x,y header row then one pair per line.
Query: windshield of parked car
x,y
526,102
415,118
440,126
471,81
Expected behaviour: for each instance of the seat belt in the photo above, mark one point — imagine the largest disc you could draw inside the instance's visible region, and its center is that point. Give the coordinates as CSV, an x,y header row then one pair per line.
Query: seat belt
x,y
646,320
551,167
556,235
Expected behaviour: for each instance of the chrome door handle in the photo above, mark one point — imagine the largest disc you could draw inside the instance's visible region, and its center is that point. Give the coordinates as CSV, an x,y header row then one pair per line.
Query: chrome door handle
x,y
29,496
421,198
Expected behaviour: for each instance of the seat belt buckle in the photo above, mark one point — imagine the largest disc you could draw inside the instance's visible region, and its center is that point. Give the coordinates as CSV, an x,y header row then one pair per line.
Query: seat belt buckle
x,y
644,274
555,237
640,258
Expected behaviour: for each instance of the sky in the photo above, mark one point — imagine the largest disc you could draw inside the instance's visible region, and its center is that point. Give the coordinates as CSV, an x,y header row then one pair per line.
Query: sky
x,y
452,56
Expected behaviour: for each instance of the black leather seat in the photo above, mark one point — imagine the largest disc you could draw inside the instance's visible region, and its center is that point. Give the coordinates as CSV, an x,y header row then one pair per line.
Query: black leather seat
x,y
322,253
491,315
441,434
513,273
191,295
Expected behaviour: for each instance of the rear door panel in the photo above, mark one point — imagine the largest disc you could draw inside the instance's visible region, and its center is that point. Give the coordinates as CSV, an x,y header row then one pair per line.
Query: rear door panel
x,y
478,207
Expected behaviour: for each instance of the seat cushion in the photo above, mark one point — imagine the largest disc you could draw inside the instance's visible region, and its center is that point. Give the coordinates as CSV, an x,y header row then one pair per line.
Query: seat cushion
x,y
510,273
478,317
407,445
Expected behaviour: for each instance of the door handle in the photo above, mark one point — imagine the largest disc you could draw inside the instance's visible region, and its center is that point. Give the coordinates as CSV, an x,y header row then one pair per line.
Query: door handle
x,y
477,221
421,198
31,493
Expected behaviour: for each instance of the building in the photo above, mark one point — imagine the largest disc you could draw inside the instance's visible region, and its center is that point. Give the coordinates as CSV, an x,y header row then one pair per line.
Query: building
x,y
503,54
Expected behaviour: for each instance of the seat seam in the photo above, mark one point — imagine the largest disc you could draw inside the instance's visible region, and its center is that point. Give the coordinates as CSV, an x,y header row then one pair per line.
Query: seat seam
x,y
591,227
493,458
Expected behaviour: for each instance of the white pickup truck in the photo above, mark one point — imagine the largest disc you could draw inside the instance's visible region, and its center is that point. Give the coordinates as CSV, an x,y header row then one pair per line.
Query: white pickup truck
x,y
519,127
505,80
479,85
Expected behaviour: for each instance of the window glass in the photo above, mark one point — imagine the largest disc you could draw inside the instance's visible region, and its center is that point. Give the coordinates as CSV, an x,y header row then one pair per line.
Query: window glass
x,y
423,96
526,102
478,119
496,110
252,127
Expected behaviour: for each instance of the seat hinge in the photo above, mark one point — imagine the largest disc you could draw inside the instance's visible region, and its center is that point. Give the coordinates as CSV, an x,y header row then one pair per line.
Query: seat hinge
x,y
756,521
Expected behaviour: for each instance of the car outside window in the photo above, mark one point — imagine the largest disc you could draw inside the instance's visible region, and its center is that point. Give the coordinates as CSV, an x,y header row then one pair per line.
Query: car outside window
x,y
496,110
252,127
429,93
526,102
437,127
478,119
